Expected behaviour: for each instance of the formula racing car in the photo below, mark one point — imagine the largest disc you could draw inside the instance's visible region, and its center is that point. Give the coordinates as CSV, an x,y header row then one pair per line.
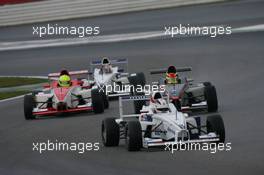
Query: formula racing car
x,y
159,124
57,99
109,76
186,95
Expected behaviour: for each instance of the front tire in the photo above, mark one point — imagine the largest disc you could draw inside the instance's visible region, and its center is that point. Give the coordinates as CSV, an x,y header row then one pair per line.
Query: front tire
x,y
28,107
211,98
215,124
133,136
110,132
97,102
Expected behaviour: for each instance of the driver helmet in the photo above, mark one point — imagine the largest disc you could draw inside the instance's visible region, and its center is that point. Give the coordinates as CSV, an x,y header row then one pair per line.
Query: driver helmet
x,y
64,81
171,75
158,102
106,65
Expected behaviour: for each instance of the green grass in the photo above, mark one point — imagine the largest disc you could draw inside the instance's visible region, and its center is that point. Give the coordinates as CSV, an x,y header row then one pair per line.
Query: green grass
x,y
5,95
18,81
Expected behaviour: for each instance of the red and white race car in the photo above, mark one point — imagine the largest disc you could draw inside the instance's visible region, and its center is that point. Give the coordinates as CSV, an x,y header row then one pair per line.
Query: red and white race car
x,y
54,100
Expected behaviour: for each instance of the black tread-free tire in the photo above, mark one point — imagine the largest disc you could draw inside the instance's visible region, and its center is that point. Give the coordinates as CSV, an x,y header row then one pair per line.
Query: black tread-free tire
x,y
110,132
214,123
138,104
133,136
28,107
106,100
137,79
211,98
97,101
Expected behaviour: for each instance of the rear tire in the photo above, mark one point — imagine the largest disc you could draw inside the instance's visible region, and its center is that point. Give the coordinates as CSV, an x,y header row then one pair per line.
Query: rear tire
x,y
211,98
138,104
215,124
138,79
133,136
28,107
110,132
97,101
106,100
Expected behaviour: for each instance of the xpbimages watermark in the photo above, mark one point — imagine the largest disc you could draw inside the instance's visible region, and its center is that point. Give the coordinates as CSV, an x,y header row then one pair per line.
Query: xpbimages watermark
x,y
79,31
128,88
211,31
211,147
51,146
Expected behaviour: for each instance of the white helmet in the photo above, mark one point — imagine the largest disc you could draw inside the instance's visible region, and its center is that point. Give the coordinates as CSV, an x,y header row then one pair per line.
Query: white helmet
x,y
158,102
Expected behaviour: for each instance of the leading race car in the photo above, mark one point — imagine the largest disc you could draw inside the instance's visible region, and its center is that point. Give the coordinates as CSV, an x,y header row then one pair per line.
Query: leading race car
x,y
109,76
186,95
59,97
158,124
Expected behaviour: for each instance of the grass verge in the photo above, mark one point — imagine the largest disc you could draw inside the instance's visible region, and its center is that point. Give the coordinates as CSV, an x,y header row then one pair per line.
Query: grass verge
x,y
18,81
5,95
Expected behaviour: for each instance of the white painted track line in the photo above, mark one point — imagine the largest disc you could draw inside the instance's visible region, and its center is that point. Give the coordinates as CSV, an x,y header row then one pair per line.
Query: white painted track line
x,y
21,45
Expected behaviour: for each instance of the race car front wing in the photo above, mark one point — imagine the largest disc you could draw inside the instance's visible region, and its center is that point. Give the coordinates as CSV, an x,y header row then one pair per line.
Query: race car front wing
x,y
156,142
52,111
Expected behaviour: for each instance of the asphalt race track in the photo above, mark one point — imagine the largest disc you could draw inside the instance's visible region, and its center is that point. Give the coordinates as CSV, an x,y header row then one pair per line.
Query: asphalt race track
x,y
233,63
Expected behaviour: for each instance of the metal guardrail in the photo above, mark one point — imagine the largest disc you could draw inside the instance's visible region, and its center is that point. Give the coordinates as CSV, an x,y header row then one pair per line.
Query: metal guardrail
x,y
51,10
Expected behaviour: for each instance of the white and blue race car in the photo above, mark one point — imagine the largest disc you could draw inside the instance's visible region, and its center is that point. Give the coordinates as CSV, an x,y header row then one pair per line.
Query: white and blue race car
x,y
159,124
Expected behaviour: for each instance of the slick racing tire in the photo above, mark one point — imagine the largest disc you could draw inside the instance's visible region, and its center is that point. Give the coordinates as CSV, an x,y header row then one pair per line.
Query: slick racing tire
x,y
137,79
133,136
138,104
215,124
28,107
211,98
110,132
97,101
106,100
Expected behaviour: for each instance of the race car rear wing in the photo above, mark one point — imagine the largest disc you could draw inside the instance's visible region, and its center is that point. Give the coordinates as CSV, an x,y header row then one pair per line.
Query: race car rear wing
x,y
161,71
130,98
112,61
73,74
123,62
133,98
